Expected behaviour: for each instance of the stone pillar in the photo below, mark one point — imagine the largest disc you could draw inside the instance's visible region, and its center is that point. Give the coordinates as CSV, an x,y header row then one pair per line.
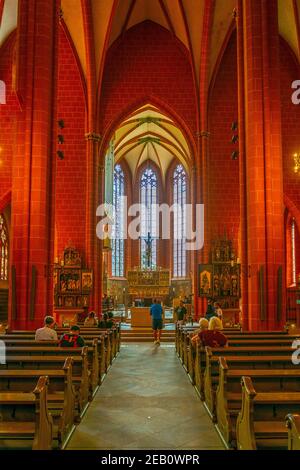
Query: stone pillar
x,y
263,163
99,246
92,196
32,177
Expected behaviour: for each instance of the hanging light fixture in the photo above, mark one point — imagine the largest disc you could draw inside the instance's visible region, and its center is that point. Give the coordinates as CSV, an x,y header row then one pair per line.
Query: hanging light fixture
x,y
297,162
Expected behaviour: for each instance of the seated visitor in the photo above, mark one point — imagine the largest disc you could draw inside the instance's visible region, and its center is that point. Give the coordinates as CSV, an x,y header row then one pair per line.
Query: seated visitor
x,y
210,312
72,339
47,333
181,313
213,336
90,320
203,326
106,321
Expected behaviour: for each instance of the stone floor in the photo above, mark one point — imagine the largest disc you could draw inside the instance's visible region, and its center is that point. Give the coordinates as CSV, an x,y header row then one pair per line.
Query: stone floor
x,y
146,402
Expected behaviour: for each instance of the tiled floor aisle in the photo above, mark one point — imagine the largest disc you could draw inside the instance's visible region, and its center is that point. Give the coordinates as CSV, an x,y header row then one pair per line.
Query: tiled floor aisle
x,y
146,402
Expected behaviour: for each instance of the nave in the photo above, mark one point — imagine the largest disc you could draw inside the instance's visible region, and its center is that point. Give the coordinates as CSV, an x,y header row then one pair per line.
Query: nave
x,y
146,402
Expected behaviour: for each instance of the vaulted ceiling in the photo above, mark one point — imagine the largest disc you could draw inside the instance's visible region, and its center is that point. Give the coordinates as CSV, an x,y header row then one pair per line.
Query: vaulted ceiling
x,y
189,20
149,135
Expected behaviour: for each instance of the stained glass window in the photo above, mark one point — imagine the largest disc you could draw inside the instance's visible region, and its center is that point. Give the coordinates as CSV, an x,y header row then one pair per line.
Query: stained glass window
x,y
118,248
148,199
179,239
3,250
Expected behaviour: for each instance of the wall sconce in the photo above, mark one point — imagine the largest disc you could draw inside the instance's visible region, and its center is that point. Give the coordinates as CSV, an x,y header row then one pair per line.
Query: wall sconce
x,y
60,155
61,139
297,162
61,124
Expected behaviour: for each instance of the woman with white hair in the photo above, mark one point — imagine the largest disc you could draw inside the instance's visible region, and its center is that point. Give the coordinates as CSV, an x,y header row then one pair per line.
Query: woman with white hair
x,y
213,337
215,324
203,326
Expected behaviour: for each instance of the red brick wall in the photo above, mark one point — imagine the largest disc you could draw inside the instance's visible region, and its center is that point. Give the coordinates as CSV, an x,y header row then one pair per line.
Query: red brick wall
x,y
290,124
8,115
147,62
223,172
290,132
71,172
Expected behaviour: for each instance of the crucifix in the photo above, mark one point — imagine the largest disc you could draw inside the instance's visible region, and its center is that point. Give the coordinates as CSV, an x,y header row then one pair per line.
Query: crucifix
x,y
148,251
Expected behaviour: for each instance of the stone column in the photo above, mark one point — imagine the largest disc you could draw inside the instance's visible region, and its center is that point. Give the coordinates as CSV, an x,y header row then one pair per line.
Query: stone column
x,y
262,163
32,177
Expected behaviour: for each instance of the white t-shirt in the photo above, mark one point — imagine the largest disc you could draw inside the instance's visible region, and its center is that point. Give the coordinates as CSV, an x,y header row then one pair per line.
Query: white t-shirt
x,y
45,334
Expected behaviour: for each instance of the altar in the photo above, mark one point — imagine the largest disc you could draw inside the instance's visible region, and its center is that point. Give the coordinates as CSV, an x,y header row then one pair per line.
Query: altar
x,y
149,283
140,317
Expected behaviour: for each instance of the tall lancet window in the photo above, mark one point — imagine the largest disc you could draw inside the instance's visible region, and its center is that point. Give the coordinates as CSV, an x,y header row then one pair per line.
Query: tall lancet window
x,y
3,250
148,199
179,239
119,224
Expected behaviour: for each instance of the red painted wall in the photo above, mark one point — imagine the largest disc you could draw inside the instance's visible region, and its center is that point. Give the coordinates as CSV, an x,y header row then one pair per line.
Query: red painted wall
x,y
8,114
223,172
147,62
71,172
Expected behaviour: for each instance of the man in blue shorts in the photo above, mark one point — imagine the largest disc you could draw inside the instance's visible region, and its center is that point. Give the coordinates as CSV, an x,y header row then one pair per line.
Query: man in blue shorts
x,y
156,313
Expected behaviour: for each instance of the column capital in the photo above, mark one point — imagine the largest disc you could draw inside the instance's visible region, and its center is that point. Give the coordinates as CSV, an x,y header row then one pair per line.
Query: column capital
x,y
93,136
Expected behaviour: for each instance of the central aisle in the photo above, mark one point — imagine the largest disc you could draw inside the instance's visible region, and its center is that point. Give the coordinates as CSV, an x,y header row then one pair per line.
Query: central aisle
x,y
146,402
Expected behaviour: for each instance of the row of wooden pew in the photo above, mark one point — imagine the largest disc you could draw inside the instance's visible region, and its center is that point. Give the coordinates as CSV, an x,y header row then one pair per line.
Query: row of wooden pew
x,y
46,389
251,388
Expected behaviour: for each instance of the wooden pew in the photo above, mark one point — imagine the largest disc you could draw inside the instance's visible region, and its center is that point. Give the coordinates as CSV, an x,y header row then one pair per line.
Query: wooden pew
x,y
210,377
261,421
187,349
98,343
229,393
61,395
25,416
114,334
80,376
293,425
31,347
181,329
107,349
201,359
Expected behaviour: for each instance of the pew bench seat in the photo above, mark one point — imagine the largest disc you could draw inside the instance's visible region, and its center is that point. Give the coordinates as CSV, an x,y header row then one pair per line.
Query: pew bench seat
x,y
62,399
261,421
229,392
25,417
293,426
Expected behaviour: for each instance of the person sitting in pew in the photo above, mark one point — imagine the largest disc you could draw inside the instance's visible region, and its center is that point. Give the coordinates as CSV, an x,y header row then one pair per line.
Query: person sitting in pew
x,y
213,336
90,320
106,322
47,333
203,326
211,311
72,339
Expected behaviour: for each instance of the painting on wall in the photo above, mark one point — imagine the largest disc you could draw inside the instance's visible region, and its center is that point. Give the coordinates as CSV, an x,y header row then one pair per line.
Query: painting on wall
x,y
87,280
205,280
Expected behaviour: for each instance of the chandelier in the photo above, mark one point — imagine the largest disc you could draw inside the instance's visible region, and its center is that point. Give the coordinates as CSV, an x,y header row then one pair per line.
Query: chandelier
x,y
297,162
